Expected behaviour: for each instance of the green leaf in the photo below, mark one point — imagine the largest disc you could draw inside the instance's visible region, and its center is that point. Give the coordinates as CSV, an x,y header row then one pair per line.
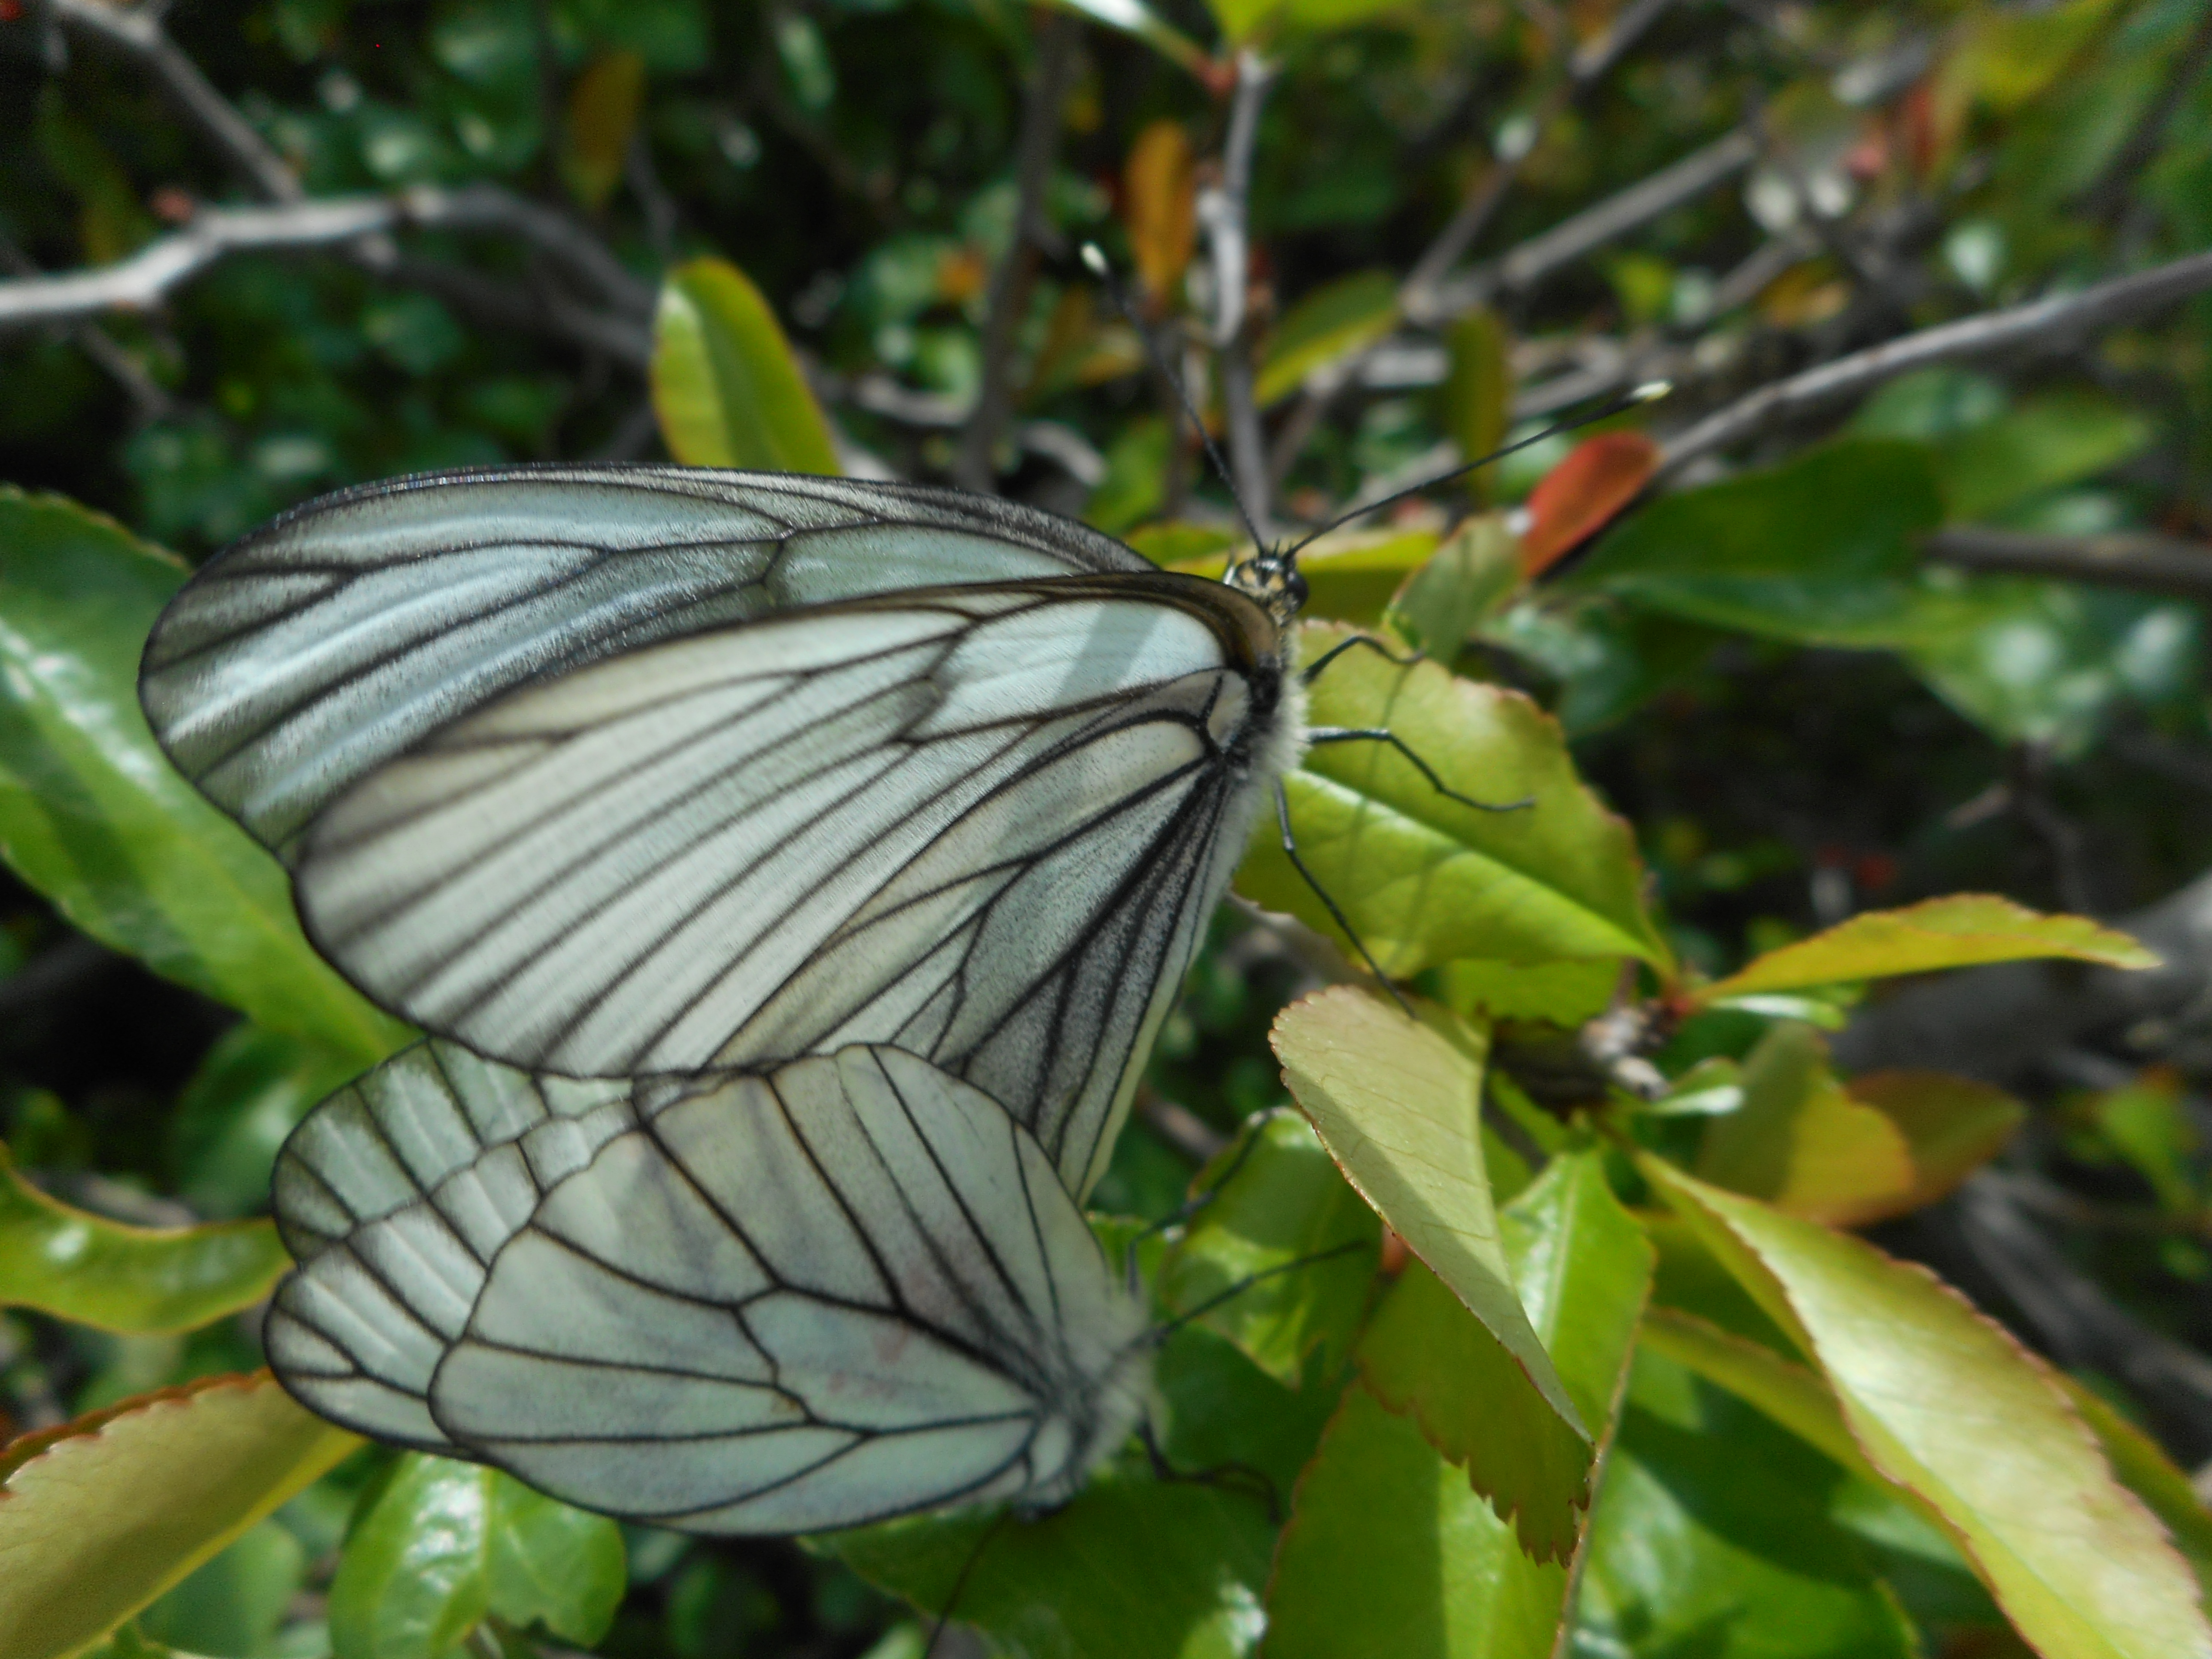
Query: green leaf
x,y
1281,1216
1563,994
1389,1549
2048,441
1329,324
1952,1124
2146,1471
1947,1405
2042,662
101,1515
1477,395
1821,549
446,1542
1399,1105
1583,1269
1803,1143
1957,932
233,1603
1712,1535
93,815
603,110
141,1280
1475,570
727,388
552,1565
1784,1391
1424,878
1133,1567
253,1086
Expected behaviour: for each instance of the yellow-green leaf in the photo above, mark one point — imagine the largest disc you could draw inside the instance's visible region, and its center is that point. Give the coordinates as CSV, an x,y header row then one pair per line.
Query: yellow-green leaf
x,y
2149,1473
725,384
100,1515
1399,1105
1427,879
1952,1126
1473,574
1327,326
1799,1141
602,109
1478,390
142,1280
1958,931
1944,1403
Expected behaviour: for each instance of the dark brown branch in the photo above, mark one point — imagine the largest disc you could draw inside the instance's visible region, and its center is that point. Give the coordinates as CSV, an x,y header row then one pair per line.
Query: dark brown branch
x,y
138,35
1012,282
2148,563
2041,326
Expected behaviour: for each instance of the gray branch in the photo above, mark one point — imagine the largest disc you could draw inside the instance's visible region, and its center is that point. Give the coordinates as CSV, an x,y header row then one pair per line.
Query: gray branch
x,y
146,279
2148,563
2056,323
1224,211
1011,283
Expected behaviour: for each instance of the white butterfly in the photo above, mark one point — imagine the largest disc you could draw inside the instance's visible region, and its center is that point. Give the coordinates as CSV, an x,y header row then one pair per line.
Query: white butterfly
x,y
840,1290
616,771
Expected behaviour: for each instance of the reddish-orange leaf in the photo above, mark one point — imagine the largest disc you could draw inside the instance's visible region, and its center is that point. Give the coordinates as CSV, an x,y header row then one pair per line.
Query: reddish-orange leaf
x,y
1599,477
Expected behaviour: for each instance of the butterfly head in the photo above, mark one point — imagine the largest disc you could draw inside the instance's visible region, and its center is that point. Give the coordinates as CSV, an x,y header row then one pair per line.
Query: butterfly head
x,y
1271,576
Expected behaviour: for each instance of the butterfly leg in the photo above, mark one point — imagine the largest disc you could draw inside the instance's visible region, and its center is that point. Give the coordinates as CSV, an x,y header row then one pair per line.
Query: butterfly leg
x,y
1321,734
1312,671
1254,1482
1290,851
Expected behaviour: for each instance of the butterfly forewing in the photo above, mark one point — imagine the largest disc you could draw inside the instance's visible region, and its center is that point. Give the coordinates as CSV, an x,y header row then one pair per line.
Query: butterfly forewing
x,y
842,1290
692,803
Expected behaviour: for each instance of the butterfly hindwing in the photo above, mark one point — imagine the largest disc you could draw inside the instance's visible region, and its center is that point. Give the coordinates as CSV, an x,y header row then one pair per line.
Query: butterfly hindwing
x,y
808,1298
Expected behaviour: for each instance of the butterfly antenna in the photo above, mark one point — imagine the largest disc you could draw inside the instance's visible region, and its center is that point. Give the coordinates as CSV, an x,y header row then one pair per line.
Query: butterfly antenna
x,y
1094,257
960,1584
1650,391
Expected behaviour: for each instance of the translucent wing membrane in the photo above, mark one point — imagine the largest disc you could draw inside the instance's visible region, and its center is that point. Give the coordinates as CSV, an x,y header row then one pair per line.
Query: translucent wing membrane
x,y
319,647
846,1289
608,774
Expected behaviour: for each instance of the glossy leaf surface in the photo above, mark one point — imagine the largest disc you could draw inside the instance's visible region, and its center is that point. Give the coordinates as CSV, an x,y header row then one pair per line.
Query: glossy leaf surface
x,y
1956,932
725,384
1946,1404
100,1515
145,1280
93,815
1397,1103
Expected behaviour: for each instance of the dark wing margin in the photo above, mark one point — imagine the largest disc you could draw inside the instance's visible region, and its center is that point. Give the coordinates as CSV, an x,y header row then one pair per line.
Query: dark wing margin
x,y
844,1290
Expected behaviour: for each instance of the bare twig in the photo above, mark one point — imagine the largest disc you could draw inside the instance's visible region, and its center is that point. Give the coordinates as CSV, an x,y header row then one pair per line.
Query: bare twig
x,y
1649,198
1009,299
2054,324
2148,563
138,35
1180,1127
2105,198
145,279
1588,64
1224,211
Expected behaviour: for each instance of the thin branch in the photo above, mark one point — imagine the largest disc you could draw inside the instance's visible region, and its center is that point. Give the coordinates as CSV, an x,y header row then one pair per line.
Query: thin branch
x,y
2105,198
2148,563
2053,324
138,35
1630,209
1584,69
145,280
1008,301
1224,211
